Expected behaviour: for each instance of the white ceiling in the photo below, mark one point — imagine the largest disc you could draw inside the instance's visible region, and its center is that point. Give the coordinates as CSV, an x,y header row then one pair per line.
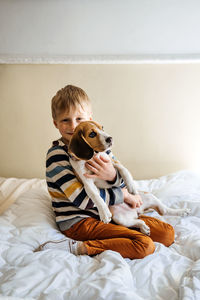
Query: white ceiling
x,y
126,29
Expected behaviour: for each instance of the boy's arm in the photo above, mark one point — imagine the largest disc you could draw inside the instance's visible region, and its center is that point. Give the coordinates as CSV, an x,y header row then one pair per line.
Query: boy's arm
x,y
62,181
119,181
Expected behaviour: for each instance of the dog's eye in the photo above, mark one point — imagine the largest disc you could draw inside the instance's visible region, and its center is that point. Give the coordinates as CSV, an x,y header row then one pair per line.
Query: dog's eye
x,y
92,134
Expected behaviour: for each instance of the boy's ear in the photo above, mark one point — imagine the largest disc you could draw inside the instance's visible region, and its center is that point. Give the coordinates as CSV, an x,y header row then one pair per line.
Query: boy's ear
x,y
55,123
79,148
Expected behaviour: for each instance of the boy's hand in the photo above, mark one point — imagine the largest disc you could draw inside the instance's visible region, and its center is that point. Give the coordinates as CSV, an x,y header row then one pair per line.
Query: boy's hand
x,y
101,168
133,200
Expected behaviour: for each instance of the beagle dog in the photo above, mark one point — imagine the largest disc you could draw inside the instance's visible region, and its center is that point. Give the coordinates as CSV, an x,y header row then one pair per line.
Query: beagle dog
x,y
89,139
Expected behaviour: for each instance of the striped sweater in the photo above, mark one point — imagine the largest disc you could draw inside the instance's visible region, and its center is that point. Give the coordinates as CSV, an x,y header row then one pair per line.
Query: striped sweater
x,y
69,199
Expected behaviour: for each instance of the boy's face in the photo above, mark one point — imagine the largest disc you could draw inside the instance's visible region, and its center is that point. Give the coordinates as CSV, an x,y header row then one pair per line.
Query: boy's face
x,y
67,121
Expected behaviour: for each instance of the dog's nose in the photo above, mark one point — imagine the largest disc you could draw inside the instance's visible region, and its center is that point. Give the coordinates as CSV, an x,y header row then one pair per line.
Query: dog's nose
x,y
109,140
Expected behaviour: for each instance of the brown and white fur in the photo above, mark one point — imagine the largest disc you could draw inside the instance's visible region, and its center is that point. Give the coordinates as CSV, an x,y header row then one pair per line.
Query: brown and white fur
x,y
88,139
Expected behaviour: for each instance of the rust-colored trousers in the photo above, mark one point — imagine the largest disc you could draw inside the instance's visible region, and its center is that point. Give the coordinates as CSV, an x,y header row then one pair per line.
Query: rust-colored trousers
x,y
130,243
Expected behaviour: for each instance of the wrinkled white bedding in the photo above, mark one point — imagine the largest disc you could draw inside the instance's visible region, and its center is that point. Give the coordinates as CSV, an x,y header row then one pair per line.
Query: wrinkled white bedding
x,y
169,273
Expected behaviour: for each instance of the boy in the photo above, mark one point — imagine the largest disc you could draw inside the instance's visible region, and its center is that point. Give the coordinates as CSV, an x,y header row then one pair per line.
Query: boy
x,y
76,215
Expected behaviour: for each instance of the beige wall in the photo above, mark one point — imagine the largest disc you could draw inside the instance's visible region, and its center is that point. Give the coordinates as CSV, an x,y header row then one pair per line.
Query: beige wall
x,y
152,111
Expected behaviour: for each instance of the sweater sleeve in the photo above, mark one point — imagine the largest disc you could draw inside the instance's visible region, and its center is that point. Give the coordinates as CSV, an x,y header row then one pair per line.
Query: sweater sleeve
x,y
62,182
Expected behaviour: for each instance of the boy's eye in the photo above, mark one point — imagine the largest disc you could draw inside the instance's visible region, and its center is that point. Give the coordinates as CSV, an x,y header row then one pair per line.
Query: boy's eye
x,y
92,134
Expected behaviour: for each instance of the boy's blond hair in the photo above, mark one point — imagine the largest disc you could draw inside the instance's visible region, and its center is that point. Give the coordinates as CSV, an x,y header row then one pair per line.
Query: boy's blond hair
x,y
69,97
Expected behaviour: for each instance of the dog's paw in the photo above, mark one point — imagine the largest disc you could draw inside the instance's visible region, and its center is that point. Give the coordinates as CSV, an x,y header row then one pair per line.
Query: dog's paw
x,y
185,212
145,229
105,217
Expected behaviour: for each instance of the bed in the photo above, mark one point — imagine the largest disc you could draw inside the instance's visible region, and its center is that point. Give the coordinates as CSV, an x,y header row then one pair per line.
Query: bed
x,y
169,273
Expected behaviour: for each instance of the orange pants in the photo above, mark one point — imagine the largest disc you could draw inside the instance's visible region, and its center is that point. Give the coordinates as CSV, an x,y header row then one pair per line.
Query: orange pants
x,y
130,243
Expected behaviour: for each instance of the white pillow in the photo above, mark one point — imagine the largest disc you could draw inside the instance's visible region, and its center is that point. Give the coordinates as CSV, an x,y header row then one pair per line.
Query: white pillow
x,y
5,202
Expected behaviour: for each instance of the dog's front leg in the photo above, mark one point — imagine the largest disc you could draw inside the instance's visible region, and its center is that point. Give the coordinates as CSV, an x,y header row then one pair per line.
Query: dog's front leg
x,y
127,177
91,190
93,194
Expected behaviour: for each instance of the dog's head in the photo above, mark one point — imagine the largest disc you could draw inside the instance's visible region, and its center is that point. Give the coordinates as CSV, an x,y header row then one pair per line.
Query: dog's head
x,y
88,138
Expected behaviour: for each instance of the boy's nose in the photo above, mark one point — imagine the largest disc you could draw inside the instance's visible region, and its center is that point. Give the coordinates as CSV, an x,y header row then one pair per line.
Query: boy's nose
x,y
73,125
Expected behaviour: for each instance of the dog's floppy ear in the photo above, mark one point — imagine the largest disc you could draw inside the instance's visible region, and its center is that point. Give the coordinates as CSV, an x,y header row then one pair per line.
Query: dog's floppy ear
x,y
79,147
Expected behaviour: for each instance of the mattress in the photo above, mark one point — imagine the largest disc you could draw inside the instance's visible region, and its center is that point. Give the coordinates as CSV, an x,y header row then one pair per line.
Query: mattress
x,y
169,273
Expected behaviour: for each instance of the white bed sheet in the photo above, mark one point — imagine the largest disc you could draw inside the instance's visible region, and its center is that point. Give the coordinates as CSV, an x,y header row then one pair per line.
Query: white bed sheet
x,y
169,273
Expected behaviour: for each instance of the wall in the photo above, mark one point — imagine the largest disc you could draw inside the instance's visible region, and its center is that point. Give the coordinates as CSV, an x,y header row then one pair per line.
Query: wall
x,y
152,112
